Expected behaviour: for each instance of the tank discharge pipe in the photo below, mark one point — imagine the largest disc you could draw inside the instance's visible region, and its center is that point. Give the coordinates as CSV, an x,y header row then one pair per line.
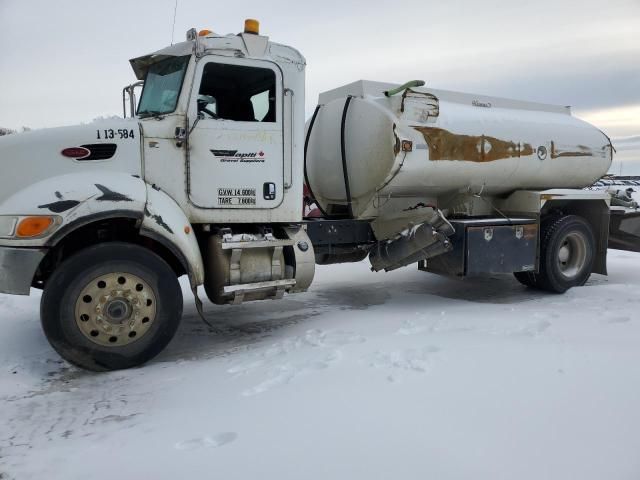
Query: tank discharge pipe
x,y
422,241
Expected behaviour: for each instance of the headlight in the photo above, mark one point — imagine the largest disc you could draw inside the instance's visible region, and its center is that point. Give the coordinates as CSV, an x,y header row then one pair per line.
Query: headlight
x,y
27,227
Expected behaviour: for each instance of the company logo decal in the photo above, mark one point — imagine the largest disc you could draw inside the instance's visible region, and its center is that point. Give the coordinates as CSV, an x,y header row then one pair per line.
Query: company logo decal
x,y
236,156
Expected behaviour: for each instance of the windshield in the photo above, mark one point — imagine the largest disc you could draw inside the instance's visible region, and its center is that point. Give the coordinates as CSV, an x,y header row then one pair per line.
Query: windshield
x,y
162,86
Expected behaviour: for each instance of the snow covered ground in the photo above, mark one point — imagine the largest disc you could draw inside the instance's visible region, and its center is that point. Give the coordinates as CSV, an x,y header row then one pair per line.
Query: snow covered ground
x,y
368,376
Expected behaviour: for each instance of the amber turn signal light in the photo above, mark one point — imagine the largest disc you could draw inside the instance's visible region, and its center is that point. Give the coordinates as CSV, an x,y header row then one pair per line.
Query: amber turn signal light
x,y
33,226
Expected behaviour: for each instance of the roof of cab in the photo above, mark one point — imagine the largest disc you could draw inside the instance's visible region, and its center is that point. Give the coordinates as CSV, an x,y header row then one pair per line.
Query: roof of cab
x,y
243,45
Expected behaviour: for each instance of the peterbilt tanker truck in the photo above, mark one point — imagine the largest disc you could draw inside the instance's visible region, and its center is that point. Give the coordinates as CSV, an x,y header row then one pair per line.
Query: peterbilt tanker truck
x,y
206,174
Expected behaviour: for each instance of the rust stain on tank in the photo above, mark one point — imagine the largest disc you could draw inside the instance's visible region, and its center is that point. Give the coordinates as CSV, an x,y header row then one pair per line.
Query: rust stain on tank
x,y
577,151
445,145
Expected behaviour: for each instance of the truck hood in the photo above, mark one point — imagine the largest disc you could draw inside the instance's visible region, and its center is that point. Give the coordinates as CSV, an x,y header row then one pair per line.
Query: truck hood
x,y
26,158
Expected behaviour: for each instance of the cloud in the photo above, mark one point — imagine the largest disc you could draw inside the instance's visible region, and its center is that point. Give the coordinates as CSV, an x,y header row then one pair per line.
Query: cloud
x,y
617,122
72,65
582,66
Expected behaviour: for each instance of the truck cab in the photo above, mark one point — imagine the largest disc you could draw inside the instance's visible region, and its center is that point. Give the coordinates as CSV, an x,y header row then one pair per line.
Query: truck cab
x,y
218,116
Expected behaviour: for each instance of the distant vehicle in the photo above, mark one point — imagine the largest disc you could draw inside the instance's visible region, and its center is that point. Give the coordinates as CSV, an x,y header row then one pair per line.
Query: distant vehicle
x,y
206,176
624,224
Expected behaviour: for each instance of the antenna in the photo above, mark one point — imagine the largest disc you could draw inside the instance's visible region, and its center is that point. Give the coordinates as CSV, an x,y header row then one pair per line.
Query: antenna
x,y
173,28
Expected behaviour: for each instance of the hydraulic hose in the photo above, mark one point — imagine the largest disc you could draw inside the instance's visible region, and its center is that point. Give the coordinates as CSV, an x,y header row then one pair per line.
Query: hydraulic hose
x,y
345,171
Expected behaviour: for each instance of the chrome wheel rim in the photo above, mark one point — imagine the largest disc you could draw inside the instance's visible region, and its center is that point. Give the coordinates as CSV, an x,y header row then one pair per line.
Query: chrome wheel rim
x,y
572,255
116,309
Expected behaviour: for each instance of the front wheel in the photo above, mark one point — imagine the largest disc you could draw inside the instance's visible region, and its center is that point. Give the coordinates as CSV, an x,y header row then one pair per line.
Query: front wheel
x,y
111,306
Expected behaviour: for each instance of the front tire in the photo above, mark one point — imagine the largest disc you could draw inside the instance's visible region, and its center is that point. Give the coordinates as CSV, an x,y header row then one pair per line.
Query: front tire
x,y
111,306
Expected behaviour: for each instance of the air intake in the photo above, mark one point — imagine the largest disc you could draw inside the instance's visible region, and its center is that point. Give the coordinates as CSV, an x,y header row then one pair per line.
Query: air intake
x,y
100,151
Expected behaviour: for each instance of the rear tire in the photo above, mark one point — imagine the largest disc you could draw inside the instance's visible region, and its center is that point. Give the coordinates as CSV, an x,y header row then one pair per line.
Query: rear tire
x,y
111,306
567,254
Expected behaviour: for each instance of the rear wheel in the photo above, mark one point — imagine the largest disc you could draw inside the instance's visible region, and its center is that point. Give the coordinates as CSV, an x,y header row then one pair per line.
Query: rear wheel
x,y
567,254
111,306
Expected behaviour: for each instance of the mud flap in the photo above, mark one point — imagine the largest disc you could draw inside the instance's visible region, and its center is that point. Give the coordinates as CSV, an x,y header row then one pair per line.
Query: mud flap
x,y
199,307
624,229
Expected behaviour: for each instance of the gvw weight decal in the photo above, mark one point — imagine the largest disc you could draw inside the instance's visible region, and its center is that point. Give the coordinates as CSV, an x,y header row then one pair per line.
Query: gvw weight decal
x,y
236,196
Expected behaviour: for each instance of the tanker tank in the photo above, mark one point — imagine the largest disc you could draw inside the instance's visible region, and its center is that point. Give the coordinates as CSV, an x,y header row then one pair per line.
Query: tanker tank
x,y
370,155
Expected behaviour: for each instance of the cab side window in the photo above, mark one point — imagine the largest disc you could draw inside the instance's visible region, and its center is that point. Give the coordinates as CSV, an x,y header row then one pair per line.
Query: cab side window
x,y
234,92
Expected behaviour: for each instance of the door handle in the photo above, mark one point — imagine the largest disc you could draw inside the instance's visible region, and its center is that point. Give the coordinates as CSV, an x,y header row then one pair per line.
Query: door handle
x,y
180,136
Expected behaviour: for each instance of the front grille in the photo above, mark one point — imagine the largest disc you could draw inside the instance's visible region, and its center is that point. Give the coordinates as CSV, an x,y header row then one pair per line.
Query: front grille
x,y
100,151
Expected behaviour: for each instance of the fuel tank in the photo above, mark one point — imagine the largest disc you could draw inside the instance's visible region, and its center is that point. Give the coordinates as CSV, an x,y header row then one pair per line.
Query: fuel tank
x,y
426,143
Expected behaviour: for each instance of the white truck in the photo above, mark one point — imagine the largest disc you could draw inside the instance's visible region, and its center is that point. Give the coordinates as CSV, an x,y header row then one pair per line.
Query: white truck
x,y
205,178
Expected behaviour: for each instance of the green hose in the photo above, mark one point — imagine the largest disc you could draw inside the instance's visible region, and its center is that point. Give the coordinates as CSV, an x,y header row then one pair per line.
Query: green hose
x,y
401,88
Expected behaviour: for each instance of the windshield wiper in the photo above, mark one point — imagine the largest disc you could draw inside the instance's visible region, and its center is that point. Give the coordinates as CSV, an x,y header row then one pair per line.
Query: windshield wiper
x,y
151,113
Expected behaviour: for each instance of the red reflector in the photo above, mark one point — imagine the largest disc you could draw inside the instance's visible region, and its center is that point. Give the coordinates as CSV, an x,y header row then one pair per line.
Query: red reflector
x,y
76,152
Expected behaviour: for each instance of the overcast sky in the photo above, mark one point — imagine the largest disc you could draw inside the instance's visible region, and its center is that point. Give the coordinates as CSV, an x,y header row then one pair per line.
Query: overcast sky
x,y
65,62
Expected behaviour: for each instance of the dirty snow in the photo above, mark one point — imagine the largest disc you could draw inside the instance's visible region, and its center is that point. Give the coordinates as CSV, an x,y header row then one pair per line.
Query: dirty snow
x,y
367,376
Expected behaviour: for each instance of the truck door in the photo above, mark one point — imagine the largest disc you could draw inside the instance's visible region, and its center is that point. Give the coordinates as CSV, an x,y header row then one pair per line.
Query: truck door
x,y
235,157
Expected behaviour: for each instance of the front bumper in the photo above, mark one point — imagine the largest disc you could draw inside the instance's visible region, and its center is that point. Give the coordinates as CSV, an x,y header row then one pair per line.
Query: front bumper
x,y
17,268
